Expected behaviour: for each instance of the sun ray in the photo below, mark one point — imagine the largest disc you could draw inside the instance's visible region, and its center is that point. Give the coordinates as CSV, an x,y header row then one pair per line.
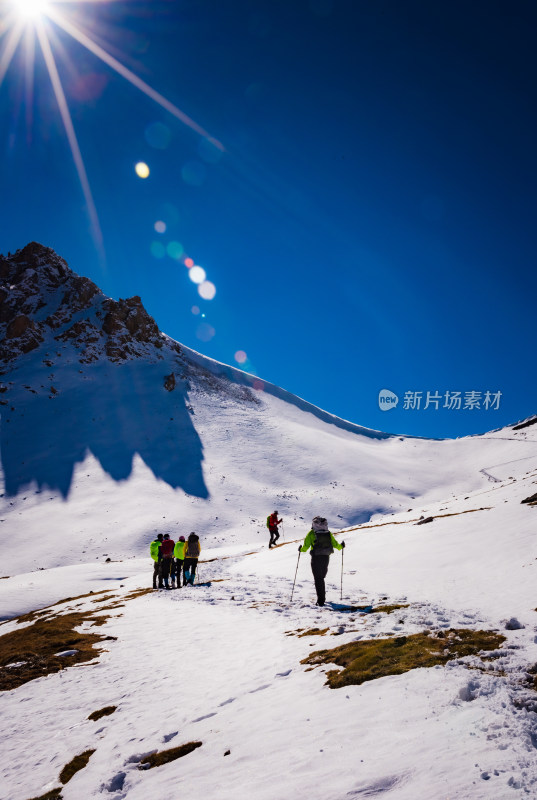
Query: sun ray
x,y
126,73
29,59
70,131
12,42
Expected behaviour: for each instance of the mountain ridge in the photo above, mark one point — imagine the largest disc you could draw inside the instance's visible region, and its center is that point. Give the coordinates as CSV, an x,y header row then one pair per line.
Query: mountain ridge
x,y
136,421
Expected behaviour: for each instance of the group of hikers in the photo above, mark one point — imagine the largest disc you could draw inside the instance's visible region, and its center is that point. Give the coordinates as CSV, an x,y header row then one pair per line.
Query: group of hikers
x,y
173,559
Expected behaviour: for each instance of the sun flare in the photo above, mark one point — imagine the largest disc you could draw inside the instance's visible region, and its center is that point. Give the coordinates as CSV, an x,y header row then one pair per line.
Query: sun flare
x,y
33,22
31,9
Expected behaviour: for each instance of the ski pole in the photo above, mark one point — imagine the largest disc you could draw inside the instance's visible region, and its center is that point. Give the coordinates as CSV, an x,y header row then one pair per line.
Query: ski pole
x,y
283,537
341,592
296,570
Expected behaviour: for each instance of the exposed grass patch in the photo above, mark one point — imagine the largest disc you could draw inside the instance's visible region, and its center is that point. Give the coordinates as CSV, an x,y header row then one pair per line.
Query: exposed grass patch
x,y
41,612
75,765
138,593
165,756
314,632
368,660
388,609
34,648
98,621
54,794
102,712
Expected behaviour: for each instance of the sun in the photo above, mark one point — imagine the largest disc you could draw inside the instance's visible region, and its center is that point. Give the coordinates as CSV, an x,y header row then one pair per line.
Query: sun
x,y
32,22
31,9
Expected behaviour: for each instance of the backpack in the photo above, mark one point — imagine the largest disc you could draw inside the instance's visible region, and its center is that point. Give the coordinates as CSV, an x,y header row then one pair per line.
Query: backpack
x,y
192,549
323,544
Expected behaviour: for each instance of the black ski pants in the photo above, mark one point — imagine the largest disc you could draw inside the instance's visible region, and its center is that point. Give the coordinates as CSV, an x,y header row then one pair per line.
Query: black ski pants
x,y
179,572
274,536
190,566
319,567
166,564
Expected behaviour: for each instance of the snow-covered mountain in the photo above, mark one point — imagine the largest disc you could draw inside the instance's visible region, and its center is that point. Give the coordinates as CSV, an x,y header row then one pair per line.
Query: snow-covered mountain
x,y
111,432
103,415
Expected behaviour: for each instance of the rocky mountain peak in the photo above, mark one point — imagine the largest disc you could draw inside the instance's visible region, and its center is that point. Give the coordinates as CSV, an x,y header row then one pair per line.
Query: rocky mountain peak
x,y
42,299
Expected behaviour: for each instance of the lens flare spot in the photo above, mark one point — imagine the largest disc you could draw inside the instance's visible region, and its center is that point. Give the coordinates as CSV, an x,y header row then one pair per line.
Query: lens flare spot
x,y
158,135
207,290
193,173
189,263
142,170
160,226
158,250
205,332
197,274
259,385
175,250
195,310
240,356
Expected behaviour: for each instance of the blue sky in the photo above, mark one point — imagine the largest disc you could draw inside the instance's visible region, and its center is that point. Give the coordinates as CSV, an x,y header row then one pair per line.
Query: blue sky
x,y
370,224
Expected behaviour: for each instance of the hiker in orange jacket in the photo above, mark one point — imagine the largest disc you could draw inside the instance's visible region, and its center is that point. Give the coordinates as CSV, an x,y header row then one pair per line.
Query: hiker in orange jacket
x,y
192,552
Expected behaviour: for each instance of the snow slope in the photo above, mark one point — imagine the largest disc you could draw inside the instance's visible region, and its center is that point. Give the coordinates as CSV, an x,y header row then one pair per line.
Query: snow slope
x,y
93,469
216,664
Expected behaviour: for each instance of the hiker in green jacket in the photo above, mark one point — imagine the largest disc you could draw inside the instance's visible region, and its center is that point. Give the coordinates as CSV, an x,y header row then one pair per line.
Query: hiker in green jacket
x,y
179,555
322,545
154,551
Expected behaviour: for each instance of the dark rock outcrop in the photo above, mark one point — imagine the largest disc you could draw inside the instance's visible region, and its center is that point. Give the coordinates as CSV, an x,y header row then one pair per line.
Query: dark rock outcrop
x,y
170,382
526,424
531,500
40,296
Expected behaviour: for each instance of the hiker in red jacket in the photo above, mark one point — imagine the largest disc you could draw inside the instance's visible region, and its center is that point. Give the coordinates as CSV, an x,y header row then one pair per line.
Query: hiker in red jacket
x,y
166,558
272,525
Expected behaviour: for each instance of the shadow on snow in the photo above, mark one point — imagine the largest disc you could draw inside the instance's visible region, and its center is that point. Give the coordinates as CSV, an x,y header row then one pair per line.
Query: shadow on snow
x,y
113,411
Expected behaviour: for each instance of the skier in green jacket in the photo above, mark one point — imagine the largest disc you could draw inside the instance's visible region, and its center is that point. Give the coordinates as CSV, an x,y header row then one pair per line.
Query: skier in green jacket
x,y
322,545
154,551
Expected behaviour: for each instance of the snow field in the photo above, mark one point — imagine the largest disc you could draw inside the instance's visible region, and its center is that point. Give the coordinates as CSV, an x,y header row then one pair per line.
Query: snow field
x,y
221,663
197,665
